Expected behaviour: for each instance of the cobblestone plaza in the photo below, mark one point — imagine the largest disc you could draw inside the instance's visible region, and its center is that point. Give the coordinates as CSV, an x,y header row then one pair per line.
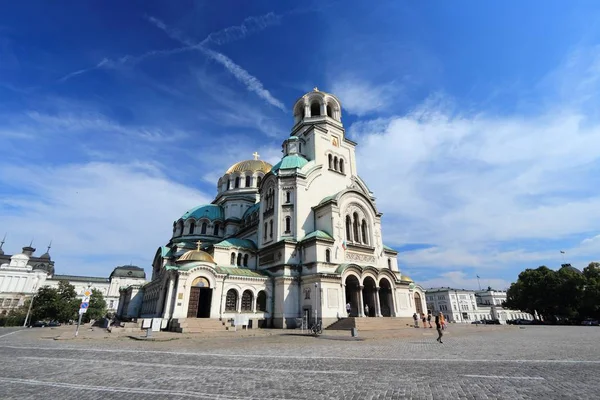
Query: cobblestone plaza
x,y
473,363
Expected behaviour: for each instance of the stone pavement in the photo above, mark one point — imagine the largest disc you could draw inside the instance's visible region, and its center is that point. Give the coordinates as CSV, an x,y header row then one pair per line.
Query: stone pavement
x,y
499,363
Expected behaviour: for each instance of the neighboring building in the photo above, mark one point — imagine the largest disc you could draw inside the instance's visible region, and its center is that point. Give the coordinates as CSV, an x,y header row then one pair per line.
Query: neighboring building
x,y
460,305
300,238
24,274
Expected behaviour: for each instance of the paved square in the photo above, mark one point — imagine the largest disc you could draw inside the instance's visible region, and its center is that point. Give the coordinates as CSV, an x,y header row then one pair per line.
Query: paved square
x,y
473,363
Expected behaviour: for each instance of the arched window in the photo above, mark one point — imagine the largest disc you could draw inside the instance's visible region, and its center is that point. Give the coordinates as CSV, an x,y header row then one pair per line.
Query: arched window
x,y
348,228
271,228
327,255
363,229
192,227
261,301
265,232
329,111
315,109
341,166
258,180
355,225
330,161
203,230
239,260
247,298
335,163
245,260
248,179
288,197
216,230
232,259
237,181
288,224
231,300
228,184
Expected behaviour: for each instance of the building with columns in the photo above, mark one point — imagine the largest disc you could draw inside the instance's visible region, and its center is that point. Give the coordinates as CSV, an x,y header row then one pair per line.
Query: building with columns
x,y
301,238
22,274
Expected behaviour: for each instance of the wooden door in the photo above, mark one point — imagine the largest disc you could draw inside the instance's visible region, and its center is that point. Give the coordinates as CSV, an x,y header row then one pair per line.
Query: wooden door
x,y
194,301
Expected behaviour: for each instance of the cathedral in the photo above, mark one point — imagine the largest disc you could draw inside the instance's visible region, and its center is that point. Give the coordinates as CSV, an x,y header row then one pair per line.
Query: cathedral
x,y
280,243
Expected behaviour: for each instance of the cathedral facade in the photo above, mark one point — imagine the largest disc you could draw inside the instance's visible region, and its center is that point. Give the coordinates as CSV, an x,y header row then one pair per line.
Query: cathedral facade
x,y
298,239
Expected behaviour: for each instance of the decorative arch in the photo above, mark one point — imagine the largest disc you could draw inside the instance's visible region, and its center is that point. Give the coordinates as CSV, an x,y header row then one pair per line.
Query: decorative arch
x,y
261,301
315,108
247,300
201,281
231,300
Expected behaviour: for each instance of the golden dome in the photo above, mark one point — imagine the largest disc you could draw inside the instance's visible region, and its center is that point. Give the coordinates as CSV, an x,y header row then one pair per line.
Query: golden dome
x,y
406,278
250,166
196,255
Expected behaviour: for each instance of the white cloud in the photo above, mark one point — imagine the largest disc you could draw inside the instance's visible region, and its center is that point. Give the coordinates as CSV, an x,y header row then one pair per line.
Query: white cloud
x,y
460,280
93,212
472,185
362,98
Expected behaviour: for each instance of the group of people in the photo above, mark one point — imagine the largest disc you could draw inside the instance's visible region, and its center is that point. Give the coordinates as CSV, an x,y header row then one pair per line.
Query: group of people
x,y
440,323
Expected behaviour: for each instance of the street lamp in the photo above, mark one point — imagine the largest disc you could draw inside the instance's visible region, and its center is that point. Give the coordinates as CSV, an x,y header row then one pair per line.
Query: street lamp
x,y
316,302
34,290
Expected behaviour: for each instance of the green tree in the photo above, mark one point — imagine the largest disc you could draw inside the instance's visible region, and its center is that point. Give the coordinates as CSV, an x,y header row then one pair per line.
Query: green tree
x,y
55,303
68,303
97,307
534,291
591,293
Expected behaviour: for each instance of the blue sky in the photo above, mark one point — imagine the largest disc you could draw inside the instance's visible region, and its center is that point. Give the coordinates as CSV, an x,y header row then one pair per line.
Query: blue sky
x,y
477,123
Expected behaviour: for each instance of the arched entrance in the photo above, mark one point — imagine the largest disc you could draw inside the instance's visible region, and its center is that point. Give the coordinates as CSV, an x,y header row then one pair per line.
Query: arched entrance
x,y
418,304
369,293
385,298
200,299
352,295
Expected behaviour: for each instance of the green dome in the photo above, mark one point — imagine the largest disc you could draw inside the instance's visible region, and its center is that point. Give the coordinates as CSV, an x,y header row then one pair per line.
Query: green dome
x,y
210,211
290,162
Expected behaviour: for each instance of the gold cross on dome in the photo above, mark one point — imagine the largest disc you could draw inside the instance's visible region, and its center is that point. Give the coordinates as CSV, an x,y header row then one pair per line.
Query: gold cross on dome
x,y
316,89
198,243
256,155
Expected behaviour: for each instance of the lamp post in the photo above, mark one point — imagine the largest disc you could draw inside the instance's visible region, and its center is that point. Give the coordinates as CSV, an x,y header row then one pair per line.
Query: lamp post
x,y
316,302
30,304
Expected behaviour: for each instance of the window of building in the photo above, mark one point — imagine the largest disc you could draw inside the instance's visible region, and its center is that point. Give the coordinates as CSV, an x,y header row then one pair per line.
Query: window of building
x,y
192,227
341,166
245,260
261,301
247,298
364,232
237,182
216,230
203,230
288,224
239,259
228,184
355,225
271,228
335,163
330,161
299,147
231,300
327,255
389,263
288,197
248,179
232,259
258,180
348,228
315,109
265,232
329,111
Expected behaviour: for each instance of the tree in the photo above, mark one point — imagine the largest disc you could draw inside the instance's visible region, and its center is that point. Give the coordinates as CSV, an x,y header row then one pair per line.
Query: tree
x,y
534,291
97,307
55,304
591,295
68,303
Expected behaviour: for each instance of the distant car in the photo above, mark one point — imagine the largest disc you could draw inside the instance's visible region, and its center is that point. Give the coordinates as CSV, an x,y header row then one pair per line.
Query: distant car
x,y
590,322
491,322
53,323
38,324
477,322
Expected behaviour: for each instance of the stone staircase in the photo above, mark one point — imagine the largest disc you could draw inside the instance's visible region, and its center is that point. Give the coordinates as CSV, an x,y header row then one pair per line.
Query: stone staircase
x,y
195,325
372,323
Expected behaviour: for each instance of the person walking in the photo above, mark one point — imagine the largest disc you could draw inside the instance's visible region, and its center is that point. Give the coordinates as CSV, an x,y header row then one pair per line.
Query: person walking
x,y
424,319
443,321
438,326
416,318
348,308
429,318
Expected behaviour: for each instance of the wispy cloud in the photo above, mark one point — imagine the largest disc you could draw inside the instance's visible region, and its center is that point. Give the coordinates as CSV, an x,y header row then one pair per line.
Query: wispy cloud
x,y
251,82
362,98
460,280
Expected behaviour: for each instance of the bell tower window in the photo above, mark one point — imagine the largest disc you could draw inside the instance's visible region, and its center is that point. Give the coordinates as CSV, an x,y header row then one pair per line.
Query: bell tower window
x,y
288,224
237,182
315,109
258,181
329,111
248,181
327,255
288,196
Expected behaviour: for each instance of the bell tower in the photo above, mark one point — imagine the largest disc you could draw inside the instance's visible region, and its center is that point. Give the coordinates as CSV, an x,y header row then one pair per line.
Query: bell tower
x,y
318,126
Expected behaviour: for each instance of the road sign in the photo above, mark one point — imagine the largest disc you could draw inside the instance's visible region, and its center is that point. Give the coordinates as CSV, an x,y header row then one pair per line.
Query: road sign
x,y
82,311
87,293
85,300
85,305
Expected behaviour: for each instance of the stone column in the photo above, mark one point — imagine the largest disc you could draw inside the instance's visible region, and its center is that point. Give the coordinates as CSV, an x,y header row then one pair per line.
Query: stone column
x,y
377,303
254,300
361,307
307,110
169,298
392,300
343,286
323,108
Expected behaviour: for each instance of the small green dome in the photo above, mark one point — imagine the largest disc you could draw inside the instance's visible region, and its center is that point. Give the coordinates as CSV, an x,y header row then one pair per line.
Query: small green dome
x,y
210,211
290,162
